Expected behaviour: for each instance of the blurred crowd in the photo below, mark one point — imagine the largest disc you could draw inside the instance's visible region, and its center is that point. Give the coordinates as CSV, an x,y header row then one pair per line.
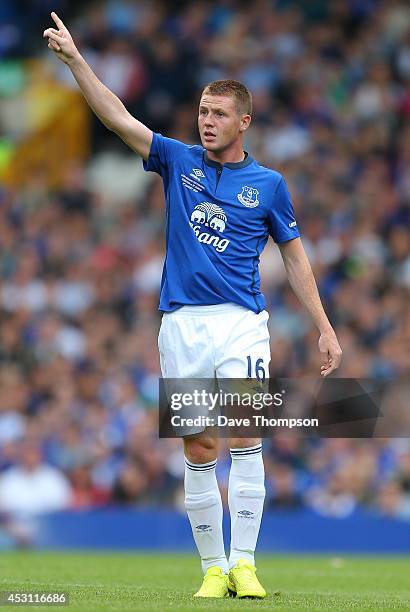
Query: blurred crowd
x,y
80,270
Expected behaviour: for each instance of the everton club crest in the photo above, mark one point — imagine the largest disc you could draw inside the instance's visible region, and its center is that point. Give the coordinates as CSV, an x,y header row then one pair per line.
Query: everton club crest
x,y
249,197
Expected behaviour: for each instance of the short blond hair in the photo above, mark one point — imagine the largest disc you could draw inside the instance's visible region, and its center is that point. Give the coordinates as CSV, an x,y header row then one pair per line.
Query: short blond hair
x,y
235,89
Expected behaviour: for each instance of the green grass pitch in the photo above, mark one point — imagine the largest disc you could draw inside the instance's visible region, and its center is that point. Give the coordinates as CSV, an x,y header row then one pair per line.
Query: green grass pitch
x,y
114,581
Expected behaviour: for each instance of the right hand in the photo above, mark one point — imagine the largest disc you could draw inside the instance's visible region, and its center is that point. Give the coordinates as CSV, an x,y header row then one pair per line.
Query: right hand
x,y
331,352
60,41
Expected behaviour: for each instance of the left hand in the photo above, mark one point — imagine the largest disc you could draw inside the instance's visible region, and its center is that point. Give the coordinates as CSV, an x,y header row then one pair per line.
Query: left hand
x,y
331,352
60,41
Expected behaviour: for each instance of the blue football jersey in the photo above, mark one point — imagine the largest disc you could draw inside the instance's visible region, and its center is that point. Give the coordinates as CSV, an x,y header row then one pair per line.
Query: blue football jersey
x,y
218,220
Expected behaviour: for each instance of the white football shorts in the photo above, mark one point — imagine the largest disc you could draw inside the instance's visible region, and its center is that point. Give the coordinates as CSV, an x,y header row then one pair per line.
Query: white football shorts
x,y
225,341
221,341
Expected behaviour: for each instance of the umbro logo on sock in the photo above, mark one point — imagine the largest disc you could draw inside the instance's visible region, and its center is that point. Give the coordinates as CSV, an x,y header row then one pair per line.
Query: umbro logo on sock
x,y
203,528
245,514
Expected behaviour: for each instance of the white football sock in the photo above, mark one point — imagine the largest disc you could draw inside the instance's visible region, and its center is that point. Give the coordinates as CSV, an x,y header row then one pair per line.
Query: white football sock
x,y
204,507
246,494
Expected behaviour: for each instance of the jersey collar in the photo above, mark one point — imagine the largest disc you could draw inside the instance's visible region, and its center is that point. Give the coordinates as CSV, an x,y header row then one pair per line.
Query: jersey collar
x,y
231,165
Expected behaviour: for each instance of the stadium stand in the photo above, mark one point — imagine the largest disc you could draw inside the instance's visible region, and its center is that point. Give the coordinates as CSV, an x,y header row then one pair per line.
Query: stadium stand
x,y
81,235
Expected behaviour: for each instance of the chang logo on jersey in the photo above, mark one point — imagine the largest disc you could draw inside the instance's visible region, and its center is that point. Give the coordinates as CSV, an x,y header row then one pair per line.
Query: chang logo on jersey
x,y
212,216
249,197
197,174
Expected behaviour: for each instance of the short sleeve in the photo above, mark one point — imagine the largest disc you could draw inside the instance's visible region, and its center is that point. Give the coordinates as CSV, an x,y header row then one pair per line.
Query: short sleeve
x,y
281,217
163,151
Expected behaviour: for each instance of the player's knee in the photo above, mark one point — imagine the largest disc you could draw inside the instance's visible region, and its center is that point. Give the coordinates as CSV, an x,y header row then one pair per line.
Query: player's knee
x,y
201,501
200,450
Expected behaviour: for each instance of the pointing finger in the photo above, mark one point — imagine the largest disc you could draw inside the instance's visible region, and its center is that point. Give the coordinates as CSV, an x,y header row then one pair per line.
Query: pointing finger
x,y
57,21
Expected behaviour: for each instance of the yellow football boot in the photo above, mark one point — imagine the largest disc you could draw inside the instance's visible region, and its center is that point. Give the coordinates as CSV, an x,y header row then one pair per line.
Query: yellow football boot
x,y
215,584
243,581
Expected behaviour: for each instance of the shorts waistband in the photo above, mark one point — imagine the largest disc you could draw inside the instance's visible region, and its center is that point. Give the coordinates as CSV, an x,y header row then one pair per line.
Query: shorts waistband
x,y
213,309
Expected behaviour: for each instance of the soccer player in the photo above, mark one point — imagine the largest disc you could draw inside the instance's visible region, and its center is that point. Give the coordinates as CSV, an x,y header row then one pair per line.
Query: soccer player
x,y
221,207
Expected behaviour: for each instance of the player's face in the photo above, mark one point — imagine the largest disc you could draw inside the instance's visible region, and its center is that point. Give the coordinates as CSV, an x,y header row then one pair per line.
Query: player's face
x,y
219,123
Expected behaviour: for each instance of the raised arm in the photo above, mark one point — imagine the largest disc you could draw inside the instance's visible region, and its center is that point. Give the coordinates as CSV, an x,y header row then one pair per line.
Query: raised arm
x,y
105,104
303,283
